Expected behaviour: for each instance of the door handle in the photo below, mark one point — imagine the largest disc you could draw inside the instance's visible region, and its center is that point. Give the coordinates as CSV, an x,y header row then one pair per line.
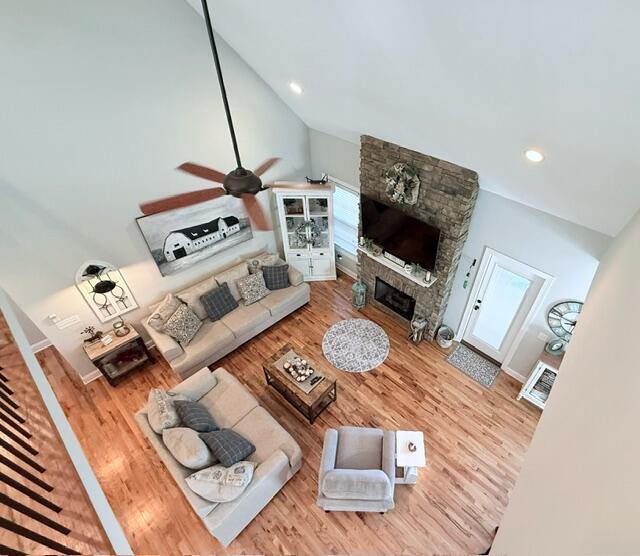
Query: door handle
x,y
477,305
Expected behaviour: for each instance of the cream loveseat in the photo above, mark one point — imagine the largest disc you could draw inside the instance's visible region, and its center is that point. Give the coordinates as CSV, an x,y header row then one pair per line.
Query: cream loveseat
x,y
277,455
216,339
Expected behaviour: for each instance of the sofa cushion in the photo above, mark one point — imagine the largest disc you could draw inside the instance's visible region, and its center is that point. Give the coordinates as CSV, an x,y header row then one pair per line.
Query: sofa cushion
x,y
258,261
161,411
284,301
222,484
218,302
161,313
191,295
252,288
195,416
267,435
197,385
231,275
188,448
276,277
182,325
352,484
228,446
245,318
359,448
229,401
211,337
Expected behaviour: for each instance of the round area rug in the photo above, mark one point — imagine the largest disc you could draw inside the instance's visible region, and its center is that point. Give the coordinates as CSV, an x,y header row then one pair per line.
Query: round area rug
x,y
355,345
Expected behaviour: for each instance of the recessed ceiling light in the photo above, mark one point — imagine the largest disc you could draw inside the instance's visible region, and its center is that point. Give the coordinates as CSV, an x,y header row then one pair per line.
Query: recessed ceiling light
x,y
295,87
533,155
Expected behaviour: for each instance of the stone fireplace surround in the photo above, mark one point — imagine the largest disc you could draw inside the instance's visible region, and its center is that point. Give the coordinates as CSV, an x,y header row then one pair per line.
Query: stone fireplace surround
x,y
446,200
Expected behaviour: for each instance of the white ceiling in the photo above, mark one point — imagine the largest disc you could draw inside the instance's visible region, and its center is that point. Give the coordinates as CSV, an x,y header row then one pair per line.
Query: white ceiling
x,y
468,81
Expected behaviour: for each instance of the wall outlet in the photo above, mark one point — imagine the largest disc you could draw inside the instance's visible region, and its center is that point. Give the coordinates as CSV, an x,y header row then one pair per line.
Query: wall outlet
x,y
542,336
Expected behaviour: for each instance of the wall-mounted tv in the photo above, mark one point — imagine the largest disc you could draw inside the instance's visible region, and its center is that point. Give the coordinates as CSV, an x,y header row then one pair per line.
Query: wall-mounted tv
x,y
399,234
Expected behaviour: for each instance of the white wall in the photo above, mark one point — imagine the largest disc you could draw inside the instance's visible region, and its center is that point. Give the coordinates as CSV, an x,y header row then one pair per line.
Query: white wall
x,y
100,102
567,251
337,157
579,489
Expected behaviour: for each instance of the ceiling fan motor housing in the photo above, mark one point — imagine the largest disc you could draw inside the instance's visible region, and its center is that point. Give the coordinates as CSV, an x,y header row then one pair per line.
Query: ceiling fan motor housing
x,y
242,181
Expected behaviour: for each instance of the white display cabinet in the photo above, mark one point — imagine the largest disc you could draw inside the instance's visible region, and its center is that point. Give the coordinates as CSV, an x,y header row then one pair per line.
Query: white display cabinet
x,y
306,224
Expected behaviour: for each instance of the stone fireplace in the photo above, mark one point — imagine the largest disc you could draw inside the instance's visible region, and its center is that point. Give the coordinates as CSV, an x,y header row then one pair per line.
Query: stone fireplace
x,y
446,200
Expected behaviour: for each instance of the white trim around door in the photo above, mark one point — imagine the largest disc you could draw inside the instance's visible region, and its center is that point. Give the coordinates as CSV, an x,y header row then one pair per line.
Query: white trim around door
x,y
531,302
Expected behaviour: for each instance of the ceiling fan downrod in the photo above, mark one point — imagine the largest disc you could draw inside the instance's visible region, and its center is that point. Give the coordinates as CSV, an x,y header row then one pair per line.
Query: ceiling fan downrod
x,y
223,90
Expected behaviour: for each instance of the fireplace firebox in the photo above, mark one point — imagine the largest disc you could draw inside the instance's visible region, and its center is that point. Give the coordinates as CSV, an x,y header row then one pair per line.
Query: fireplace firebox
x,y
396,300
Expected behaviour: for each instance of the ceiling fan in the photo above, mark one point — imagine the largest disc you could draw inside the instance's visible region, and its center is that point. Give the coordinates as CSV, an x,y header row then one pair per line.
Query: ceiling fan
x,y
241,183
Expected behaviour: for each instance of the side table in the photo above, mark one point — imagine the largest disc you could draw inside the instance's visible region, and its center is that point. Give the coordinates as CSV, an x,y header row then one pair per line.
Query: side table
x,y
407,462
123,355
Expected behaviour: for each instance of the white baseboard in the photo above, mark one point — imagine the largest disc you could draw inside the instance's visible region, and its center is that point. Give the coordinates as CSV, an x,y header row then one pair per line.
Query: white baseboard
x,y
39,346
514,374
347,271
93,375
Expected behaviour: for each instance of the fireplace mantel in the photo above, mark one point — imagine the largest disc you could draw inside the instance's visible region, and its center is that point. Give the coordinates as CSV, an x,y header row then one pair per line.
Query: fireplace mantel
x,y
386,262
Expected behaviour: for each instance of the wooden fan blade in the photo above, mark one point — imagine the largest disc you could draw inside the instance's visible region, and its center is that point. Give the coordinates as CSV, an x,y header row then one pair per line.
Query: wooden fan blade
x,y
202,172
265,166
255,212
181,200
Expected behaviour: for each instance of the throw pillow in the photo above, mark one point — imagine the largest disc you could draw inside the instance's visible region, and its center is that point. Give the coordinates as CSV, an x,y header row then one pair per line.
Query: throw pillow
x,y
182,325
228,446
192,296
230,276
161,411
252,288
219,302
263,259
188,448
163,311
195,416
276,277
222,484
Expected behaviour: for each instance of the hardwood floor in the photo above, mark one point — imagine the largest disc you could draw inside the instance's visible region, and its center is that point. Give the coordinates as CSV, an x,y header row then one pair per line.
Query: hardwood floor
x,y
77,514
476,440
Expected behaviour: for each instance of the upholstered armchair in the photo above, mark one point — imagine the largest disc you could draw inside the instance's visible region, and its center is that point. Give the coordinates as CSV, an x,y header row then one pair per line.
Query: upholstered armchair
x,y
357,470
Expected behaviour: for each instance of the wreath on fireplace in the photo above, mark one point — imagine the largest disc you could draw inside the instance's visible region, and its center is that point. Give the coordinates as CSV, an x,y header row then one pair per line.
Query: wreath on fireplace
x,y
402,184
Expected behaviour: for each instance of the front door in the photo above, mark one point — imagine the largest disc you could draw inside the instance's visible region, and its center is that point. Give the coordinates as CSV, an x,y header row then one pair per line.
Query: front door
x,y
506,294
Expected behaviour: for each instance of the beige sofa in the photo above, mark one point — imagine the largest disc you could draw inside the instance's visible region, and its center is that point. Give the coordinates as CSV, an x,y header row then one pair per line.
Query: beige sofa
x,y
216,339
278,456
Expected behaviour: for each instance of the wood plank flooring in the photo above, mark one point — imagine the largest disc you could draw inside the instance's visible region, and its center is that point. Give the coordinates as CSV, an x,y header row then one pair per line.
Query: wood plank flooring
x,y
476,440
87,535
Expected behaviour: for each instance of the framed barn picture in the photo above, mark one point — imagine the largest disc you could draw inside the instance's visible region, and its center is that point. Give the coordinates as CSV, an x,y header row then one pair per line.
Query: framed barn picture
x,y
182,237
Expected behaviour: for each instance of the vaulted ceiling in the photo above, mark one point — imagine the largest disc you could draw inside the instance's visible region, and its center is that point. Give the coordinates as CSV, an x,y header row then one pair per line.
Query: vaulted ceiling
x,y
476,83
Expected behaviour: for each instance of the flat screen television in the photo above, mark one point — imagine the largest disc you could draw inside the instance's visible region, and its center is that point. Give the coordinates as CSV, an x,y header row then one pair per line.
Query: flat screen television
x,y
399,234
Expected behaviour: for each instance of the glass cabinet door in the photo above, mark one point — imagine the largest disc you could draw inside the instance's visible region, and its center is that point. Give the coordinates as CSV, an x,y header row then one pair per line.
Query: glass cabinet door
x,y
293,206
318,206
296,232
320,232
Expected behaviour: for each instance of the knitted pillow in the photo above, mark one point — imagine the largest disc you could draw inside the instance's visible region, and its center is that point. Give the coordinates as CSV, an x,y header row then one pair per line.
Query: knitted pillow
x,y
163,311
276,277
182,325
218,302
228,446
252,288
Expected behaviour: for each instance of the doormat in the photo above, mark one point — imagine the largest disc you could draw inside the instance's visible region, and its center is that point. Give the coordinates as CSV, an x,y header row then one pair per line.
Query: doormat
x,y
474,365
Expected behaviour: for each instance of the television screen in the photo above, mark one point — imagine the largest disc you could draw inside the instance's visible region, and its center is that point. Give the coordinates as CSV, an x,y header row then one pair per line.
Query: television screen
x,y
399,234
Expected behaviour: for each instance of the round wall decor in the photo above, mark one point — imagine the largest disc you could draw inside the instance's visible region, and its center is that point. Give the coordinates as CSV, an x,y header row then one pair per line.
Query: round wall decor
x,y
402,184
562,318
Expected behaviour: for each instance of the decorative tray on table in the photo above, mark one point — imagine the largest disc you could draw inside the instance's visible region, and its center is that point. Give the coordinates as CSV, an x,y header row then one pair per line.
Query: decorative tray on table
x,y
299,371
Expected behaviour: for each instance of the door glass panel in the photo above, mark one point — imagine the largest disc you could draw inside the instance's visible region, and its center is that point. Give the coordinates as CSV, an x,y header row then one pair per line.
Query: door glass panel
x,y
322,232
500,304
295,242
293,222
318,205
293,205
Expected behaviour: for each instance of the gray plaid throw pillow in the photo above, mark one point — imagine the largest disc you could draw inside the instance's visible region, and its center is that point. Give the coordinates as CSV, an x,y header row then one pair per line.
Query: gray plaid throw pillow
x,y
228,446
194,415
218,302
276,277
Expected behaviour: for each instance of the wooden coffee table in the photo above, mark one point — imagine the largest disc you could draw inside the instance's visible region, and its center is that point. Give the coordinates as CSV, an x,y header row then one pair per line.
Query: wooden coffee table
x,y
308,404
